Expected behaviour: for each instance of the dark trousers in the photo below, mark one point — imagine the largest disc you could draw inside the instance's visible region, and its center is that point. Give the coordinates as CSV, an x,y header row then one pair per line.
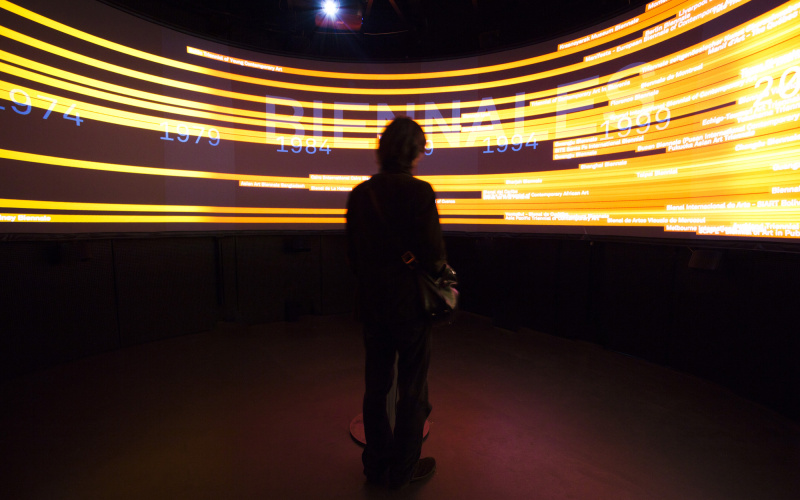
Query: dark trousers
x,y
396,452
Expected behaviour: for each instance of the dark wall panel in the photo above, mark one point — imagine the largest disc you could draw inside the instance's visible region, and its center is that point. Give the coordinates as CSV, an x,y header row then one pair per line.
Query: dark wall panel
x,y
166,287
709,326
473,260
527,278
338,282
278,277
227,280
632,298
575,278
57,303
728,315
772,335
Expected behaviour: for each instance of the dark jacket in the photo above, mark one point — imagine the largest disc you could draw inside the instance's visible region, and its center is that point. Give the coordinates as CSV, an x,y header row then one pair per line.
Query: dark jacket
x,y
406,219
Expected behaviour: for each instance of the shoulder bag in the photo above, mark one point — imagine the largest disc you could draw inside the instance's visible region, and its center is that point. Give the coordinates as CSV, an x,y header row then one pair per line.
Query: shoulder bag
x,y
438,294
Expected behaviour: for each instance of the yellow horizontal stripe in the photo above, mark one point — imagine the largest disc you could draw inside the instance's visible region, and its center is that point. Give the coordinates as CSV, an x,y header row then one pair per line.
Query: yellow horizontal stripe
x,y
178,219
122,207
277,84
90,61
644,20
132,169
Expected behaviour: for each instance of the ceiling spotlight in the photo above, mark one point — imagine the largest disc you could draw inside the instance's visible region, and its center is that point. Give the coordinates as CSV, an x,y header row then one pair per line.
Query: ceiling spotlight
x,y
330,7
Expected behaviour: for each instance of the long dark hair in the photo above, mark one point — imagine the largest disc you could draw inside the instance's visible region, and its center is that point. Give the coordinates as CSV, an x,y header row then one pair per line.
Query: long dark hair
x,y
401,142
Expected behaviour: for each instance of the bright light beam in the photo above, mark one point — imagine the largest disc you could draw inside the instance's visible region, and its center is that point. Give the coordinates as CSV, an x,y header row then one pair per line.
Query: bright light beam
x,y
330,7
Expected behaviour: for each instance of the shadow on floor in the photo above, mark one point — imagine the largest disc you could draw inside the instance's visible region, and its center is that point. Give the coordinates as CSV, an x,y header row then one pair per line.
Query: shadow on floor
x,y
264,411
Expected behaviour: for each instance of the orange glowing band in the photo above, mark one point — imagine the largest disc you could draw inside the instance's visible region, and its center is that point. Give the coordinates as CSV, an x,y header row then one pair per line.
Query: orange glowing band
x,y
644,19
90,61
277,84
26,63
166,219
502,113
131,169
121,207
305,119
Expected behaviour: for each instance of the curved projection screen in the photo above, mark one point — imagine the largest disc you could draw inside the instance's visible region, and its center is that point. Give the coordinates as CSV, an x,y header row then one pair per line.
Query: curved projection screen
x,y
679,119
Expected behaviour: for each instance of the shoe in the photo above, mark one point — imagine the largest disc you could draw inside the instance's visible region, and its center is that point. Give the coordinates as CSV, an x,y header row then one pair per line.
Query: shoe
x,y
424,469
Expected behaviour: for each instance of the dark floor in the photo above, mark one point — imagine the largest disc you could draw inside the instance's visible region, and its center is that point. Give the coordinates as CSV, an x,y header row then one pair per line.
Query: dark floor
x,y
264,412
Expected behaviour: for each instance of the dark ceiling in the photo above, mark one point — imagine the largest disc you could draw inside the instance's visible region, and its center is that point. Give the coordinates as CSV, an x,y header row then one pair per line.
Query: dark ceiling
x,y
379,29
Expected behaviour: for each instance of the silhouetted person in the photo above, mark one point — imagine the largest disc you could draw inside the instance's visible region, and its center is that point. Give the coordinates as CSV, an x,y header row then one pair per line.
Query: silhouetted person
x,y
391,213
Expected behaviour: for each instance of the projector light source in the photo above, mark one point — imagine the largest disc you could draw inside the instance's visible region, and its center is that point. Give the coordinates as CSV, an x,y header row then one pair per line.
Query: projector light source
x,y
330,8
